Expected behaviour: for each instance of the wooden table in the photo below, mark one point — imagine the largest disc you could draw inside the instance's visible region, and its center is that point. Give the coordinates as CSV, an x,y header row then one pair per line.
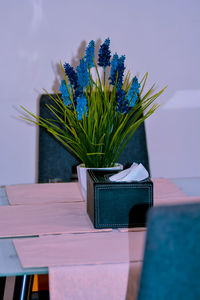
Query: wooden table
x,y
37,235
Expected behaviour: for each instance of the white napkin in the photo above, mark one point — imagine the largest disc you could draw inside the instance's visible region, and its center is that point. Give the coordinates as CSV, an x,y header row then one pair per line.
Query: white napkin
x,y
136,172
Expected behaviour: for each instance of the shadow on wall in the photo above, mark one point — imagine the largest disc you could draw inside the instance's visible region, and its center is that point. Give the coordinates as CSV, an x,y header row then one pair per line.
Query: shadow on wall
x,y
56,85
74,63
80,53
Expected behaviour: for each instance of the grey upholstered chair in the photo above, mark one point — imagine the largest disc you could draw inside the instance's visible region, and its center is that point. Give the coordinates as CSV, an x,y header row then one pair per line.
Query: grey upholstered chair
x,y
171,268
55,162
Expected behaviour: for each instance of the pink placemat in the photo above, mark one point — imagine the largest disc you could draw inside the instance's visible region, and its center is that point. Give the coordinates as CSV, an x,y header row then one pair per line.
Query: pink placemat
x,y
105,281
164,190
28,220
43,193
81,249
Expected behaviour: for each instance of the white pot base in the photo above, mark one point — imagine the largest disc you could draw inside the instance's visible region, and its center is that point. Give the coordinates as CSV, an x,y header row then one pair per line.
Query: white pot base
x,y
82,176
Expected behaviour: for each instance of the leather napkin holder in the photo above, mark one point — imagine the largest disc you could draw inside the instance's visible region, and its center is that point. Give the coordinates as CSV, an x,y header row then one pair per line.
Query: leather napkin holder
x,y
117,204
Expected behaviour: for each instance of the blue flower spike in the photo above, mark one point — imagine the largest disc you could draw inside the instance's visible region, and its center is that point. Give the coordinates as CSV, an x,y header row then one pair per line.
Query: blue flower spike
x,y
89,54
65,94
81,107
71,74
83,74
120,70
113,71
122,102
117,67
104,54
133,92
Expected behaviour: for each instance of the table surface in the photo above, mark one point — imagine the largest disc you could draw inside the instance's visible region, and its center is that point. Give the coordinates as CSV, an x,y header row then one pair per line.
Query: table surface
x,y
9,262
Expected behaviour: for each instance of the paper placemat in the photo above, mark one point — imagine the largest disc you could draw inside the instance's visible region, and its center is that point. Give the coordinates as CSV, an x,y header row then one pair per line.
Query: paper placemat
x,y
42,193
28,220
164,189
105,281
80,249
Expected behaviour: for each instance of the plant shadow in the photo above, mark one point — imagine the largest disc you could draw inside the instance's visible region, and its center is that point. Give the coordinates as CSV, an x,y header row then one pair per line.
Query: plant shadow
x,y
74,63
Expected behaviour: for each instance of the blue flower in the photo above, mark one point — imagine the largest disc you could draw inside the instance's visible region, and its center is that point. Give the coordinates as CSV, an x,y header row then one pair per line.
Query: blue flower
x,y
133,92
83,74
65,94
122,103
113,71
81,107
89,54
71,74
117,70
104,54
78,93
120,70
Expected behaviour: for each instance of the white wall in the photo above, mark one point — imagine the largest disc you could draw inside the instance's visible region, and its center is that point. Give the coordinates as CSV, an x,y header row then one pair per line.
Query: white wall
x,y
161,37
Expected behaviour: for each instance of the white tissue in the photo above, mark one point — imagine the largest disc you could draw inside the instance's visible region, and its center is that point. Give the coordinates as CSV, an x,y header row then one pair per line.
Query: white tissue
x,y
136,172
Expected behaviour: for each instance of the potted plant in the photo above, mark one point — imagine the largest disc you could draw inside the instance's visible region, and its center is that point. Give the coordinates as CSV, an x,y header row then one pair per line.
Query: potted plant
x,y
95,117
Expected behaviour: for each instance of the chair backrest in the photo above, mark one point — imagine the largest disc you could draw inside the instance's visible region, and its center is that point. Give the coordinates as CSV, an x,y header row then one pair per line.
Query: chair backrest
x,y
56,162
171,267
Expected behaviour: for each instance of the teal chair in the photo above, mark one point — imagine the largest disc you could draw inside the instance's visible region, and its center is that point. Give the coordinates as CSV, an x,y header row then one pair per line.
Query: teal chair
x,y
171,267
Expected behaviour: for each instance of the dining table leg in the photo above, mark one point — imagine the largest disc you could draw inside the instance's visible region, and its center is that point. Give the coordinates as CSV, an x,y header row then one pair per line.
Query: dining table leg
x,y
16,288
2,286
